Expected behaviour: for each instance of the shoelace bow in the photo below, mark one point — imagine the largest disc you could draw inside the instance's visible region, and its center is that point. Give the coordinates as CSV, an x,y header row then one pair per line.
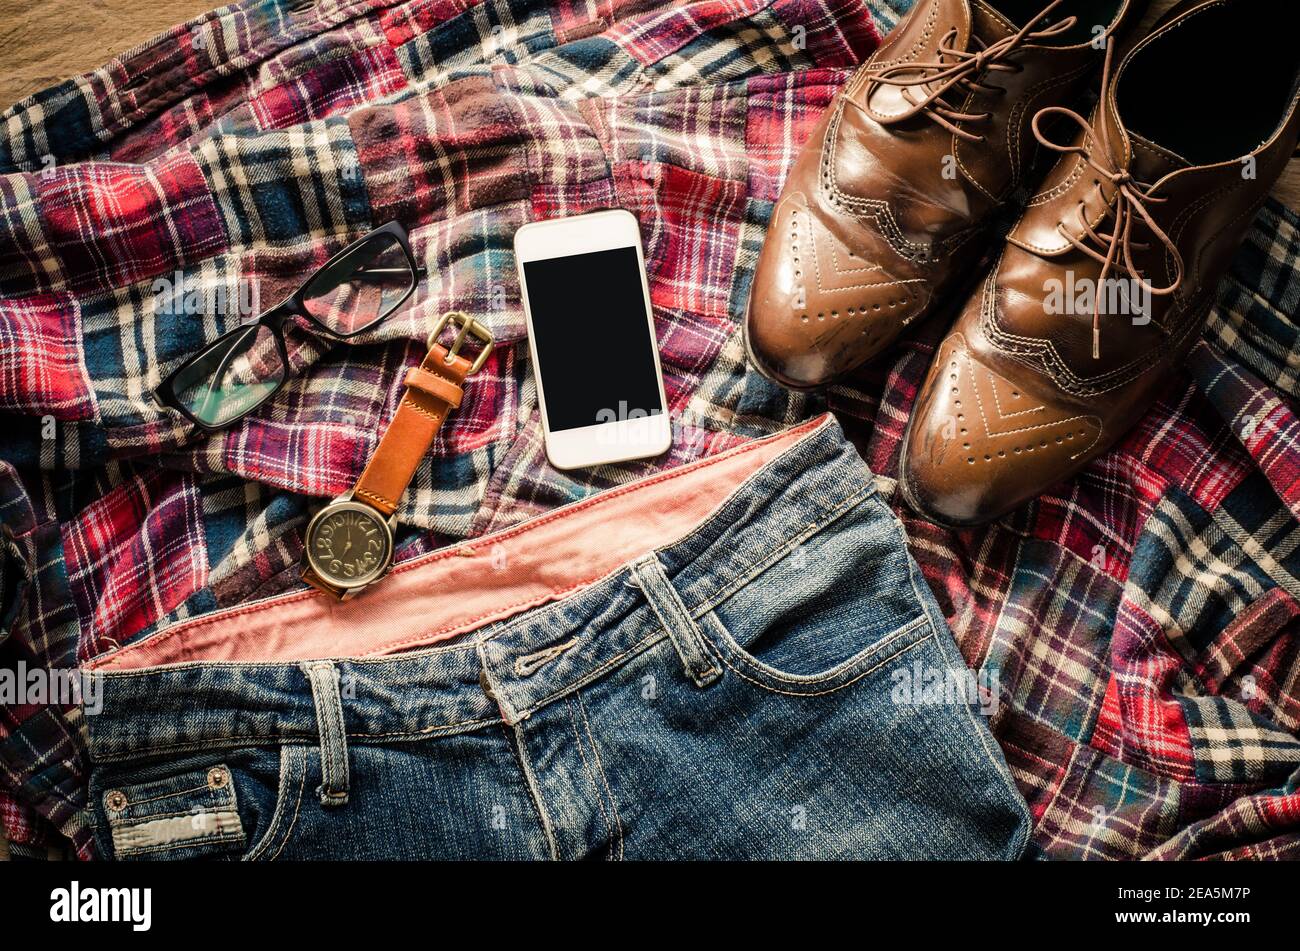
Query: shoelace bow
x,y
1131,200
948,75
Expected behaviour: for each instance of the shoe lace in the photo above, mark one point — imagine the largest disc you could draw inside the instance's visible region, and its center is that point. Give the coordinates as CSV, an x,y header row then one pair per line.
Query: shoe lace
x,y
955,68
1132,198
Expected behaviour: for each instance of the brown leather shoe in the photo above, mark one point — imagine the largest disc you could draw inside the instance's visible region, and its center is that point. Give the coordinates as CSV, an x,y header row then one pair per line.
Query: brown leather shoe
x,y
928,138
1105,282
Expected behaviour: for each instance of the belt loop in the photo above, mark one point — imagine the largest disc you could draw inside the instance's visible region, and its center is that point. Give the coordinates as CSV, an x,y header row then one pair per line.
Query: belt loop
x,y
324,677
677,621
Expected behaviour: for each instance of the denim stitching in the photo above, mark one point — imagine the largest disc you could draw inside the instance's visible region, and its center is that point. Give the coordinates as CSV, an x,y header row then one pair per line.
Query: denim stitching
x,y
848,683
431,730
676,620
290,739
204,745
808,680
144,820
595,751
596,673
281,802
324,678
991,750
297,809
591,778
223,839
534,793
530,664
824,520
181,792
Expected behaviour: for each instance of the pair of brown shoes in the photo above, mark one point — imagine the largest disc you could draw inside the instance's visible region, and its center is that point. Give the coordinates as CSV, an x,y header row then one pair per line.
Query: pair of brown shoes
x,y
1104,283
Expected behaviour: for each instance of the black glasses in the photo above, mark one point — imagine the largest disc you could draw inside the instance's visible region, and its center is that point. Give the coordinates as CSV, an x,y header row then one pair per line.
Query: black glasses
x,y
243,368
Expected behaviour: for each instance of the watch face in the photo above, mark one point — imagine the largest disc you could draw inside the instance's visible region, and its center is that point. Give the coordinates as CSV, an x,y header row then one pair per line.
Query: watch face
x,y
348,544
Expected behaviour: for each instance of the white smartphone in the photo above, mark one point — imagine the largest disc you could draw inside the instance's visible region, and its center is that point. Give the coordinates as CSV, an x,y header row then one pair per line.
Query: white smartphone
x,y
591,335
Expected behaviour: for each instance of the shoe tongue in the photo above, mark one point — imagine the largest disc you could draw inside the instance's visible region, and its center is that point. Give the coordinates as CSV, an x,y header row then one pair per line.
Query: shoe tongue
x,y
989,25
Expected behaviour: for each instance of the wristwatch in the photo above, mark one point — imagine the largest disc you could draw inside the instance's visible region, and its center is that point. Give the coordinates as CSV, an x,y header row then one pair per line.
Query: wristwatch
x,y
349,544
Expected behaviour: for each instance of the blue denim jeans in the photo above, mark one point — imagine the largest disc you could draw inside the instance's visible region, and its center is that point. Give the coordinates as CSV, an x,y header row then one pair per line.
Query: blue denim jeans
x,y
701,665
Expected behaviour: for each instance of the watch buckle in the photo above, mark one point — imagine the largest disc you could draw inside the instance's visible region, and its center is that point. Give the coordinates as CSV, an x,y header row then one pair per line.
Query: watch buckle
x,y
468,326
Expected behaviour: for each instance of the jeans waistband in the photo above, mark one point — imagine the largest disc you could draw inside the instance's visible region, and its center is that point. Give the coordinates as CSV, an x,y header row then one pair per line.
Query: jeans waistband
x,y
176,690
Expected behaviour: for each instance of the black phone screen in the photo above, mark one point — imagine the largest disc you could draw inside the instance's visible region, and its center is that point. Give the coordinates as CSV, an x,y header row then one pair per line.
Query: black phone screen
x,y
594,347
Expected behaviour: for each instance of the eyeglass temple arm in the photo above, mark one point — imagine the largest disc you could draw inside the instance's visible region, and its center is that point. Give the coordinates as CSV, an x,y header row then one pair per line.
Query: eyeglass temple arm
x,y
378,272
343,270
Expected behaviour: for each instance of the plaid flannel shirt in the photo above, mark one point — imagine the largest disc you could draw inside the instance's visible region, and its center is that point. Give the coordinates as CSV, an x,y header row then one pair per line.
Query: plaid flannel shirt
x,y
1141,617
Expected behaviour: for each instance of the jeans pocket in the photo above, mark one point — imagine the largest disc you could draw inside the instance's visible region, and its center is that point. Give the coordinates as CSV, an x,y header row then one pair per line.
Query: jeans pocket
x,y
870,660
185,815
243,804
827,604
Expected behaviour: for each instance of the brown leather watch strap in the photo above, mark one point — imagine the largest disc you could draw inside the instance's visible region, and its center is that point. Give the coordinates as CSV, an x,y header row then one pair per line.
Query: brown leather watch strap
x,y
433,389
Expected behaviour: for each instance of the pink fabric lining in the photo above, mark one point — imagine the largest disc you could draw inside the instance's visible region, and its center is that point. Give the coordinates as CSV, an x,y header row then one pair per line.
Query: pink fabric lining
x,y
483,580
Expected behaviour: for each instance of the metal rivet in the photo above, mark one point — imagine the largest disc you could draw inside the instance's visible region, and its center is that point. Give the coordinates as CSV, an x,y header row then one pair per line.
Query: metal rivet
x,y
115,800
218,777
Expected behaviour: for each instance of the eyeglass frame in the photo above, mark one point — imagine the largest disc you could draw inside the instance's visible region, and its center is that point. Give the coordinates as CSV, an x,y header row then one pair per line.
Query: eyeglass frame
x,y
275,318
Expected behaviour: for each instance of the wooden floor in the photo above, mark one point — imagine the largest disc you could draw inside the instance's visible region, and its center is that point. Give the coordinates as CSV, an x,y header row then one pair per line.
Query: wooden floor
x,y
45,42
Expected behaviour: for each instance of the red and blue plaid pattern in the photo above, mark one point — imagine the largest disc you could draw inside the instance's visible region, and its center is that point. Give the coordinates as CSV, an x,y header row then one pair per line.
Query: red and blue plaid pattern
x,y
1142,618
101,220
134,554
40,358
